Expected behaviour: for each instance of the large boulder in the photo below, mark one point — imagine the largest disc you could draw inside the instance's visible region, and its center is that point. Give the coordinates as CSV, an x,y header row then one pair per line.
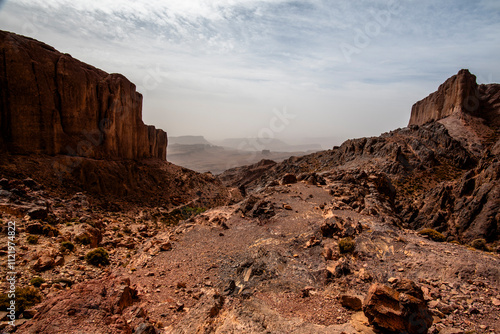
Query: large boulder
x,y
95,306
392,311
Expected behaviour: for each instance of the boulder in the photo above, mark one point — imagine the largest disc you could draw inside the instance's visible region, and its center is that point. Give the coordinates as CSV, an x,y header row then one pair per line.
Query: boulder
x,y
351,302
393,311
43,263
289,179
94,306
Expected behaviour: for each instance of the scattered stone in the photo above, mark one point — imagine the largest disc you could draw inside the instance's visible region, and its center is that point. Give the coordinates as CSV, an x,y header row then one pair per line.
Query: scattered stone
x,y
289,179
391,310
38,212
145,328
351,302
43,263
306,292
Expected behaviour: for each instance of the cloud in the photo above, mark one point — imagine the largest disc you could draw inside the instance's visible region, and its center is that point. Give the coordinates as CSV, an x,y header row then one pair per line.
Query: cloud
x,y
232,61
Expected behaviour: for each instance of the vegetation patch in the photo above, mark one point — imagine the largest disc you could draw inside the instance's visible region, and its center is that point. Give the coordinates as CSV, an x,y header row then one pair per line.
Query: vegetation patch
x,y
346,245
25,298
37,281
50,231
67,245
98,256
480,244
32,239
83,239
433,234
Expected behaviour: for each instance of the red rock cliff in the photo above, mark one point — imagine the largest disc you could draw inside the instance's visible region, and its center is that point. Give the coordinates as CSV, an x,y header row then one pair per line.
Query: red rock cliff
x,y
51,103
457,94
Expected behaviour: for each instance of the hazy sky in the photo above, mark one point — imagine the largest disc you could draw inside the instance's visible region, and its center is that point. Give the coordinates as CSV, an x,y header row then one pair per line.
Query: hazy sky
x,y
224,68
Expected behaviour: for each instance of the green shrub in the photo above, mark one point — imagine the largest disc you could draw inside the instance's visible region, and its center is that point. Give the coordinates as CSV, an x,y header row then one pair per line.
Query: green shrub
x,y
32,239
346,245
67,245
433,234
25,298
83,239
37,281
50,231
97,256
480,244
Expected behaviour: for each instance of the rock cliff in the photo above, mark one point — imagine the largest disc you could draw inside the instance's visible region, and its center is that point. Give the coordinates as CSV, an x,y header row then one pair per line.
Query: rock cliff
x,y
51,103
458,94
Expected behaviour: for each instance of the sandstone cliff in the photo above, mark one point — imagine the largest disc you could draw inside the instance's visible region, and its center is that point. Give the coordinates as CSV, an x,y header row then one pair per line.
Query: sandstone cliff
x,y
460,94
51,103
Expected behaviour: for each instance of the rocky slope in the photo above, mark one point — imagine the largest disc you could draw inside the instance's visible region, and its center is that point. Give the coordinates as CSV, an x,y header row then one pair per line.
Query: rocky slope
x,y
51,103
443,175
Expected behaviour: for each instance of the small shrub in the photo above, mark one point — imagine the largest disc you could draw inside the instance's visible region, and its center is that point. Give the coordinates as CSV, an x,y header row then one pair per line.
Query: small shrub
x,y
480,244
67,245
32,239
25,298
433,234
37,281
346,245
97,256
50,231
83,239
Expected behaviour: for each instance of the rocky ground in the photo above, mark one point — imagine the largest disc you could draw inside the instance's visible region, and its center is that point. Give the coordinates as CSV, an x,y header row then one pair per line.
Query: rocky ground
x,y
268,264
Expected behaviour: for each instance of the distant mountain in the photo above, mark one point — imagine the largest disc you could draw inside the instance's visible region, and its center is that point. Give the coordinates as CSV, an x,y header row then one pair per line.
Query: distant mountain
x,y
258,144
188,140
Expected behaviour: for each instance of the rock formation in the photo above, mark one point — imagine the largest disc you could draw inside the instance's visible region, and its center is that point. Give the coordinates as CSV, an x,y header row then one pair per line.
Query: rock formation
x,y
460,94
51,103
454,95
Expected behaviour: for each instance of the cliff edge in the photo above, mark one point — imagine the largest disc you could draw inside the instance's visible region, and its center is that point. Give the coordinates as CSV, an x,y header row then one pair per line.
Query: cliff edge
x,y
51,103
459,95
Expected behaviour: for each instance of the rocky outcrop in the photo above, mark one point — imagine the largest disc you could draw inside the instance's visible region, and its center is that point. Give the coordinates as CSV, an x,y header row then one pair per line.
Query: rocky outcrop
x,y
93,307
457,94
51,103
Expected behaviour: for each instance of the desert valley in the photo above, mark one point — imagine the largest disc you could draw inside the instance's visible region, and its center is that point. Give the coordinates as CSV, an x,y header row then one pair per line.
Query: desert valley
x,y
101,233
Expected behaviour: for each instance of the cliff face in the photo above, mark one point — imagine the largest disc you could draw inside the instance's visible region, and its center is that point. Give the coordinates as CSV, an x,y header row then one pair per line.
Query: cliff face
x,y
51,103
457,94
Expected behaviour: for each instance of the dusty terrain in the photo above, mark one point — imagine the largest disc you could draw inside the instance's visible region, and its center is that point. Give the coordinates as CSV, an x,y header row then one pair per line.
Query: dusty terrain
x,y
391,234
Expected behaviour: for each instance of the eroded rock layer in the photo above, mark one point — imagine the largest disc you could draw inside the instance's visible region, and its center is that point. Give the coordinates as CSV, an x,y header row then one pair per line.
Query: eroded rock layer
x,y
51,103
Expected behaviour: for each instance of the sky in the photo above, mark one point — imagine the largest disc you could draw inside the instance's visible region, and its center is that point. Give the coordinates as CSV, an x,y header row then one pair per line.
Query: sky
x,y
301,71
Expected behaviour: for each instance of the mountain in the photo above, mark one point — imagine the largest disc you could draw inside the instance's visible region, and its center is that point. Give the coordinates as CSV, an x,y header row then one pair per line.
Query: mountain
x,y
188,140
272,144
78,128
443,169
